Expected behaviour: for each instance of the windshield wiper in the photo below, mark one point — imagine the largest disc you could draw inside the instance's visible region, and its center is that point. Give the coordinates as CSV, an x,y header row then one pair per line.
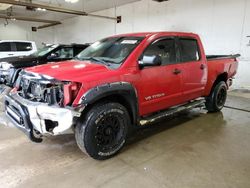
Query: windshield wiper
x,y
77,58
94,59
110,61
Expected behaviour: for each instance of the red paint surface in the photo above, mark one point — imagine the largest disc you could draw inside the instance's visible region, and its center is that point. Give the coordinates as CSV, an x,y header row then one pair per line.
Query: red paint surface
x,y
192,83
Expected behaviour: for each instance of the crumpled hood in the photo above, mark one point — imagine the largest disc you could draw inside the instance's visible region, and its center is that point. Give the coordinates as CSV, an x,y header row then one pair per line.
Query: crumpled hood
x,y
72,70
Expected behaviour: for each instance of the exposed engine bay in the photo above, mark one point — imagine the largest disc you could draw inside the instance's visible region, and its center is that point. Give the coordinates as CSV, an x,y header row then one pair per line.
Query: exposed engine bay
x,y
44,105
45,89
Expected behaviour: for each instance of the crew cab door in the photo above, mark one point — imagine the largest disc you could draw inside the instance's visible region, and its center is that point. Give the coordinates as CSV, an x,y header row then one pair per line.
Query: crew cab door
x,y
193,67
160,86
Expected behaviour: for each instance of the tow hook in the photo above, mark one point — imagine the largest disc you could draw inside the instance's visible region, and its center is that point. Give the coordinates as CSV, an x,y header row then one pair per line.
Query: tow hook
x,y
35,136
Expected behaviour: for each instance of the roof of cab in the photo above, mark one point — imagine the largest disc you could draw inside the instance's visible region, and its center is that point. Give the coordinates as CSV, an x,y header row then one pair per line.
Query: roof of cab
x,y
17,41
148,34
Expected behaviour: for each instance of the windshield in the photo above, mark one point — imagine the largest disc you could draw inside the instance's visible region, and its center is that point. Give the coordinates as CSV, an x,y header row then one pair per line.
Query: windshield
x,y
111,50
45,50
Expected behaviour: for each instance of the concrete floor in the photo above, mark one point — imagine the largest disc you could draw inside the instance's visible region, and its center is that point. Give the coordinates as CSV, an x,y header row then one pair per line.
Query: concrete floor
x,y
193,149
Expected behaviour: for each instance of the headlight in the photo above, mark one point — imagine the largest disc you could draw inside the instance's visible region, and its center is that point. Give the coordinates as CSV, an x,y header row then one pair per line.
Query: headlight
x,y
5,65
70,90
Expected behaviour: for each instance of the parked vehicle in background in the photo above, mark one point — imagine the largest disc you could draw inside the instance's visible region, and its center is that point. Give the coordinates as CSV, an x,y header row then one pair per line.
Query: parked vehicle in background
x,y
116,84
12,48
11,66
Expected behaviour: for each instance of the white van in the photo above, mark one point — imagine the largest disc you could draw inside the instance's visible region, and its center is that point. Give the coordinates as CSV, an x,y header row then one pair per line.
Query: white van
x,y
11,48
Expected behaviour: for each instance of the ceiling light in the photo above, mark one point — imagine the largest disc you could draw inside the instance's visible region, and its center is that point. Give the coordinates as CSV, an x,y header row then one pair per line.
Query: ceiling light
x,y
4,6
160,1
71,1
41,9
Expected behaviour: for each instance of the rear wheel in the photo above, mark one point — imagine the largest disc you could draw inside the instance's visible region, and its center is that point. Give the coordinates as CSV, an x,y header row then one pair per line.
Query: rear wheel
x,y
217,99
103,131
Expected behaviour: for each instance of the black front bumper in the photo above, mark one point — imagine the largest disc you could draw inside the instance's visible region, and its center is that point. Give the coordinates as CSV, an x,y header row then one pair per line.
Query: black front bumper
x,y
19,115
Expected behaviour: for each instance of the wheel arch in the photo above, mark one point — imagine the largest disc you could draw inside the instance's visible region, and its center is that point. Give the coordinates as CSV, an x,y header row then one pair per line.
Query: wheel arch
x,y
221,77
120,92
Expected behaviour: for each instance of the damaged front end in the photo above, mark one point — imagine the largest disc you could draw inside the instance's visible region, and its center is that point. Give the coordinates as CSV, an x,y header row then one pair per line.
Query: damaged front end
x,y
7,71
41,105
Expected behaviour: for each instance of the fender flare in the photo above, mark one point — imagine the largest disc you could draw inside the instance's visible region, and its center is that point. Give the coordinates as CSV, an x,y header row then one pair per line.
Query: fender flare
x,y
124,89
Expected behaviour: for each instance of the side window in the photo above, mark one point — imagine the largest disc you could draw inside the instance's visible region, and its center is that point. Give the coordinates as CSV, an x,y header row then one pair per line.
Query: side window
x,y
189,50
77,50
5,47
23,46
63,53
165,48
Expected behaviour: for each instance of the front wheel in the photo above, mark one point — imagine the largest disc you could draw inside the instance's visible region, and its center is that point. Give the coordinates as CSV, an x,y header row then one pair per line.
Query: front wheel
x,y
217,99
103,131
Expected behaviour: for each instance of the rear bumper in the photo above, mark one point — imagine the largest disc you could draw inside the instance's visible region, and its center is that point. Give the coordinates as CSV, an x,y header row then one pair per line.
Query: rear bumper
x,y
38,119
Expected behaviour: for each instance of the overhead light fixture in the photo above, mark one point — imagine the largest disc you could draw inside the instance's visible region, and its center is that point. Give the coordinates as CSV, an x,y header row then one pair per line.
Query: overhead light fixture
x,y
56,9
71,1
160,1
4,6
41,9
49,23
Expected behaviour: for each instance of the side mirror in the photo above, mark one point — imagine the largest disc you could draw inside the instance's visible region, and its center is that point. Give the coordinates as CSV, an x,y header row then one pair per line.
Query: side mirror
x,y
147,61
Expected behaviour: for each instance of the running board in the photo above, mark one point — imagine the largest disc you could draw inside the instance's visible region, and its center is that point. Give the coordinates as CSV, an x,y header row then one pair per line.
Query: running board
x,y
171,111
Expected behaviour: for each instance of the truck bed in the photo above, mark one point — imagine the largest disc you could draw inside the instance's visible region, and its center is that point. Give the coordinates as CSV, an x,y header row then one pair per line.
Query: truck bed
x,y
219,65
214,57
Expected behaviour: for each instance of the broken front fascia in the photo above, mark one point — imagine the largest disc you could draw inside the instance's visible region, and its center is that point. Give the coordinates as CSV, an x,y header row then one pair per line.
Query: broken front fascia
x,y
45,89
39,113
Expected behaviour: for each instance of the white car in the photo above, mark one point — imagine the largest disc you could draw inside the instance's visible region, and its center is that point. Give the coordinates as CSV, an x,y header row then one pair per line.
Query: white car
x,y
11,48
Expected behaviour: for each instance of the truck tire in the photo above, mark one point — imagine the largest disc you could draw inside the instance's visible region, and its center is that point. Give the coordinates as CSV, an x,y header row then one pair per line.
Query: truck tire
x,y
217,98
103,130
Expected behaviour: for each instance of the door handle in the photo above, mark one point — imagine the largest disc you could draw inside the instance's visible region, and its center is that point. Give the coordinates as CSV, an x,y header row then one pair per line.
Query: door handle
x,y
10,54
176,71
202,67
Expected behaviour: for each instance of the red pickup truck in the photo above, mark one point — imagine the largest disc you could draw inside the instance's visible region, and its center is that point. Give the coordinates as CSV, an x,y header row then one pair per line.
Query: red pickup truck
x,y
116,84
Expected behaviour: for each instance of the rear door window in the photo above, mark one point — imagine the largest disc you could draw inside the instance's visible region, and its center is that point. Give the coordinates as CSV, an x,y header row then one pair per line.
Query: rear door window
x,y
5,47
189,49
23,46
